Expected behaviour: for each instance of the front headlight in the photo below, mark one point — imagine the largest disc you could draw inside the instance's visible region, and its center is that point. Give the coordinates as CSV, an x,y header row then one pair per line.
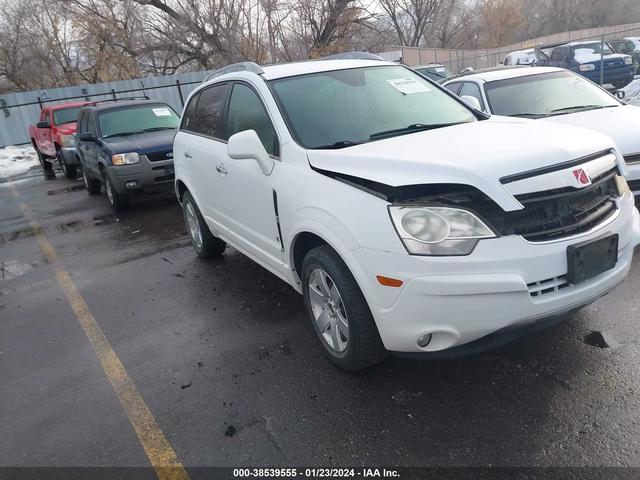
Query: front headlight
x,y
587,67
628,61
68,140
125,158
438,230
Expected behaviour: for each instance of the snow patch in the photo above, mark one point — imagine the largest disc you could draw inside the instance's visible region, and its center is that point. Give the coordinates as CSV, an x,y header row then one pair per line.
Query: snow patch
x,y
15,160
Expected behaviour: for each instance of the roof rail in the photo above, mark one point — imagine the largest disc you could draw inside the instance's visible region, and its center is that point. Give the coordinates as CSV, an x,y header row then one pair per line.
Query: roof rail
x,y
352,56
237,67
117,99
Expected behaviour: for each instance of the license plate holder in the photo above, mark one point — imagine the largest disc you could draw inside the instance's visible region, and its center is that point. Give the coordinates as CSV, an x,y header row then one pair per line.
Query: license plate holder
x,y
589,259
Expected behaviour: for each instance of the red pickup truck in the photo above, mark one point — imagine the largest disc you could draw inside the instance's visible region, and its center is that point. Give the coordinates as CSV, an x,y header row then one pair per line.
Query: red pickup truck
x,y
53,136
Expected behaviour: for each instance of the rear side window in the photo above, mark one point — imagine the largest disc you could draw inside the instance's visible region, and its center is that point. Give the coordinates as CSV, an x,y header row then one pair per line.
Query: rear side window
x,y
189,117
246,112
208,118
453,87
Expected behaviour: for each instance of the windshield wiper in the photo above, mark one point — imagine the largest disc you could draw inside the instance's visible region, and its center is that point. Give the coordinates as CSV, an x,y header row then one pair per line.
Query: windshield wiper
x,y
122,134
337,145
529,115
156,129
579,107
416,127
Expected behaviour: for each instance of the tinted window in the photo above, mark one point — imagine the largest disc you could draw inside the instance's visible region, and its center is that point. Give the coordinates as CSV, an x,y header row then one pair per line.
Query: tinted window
x,y
559,53
137,119
454,87
91,123
246,112
545,94
337,108
472,90
209,115
189,117
65,115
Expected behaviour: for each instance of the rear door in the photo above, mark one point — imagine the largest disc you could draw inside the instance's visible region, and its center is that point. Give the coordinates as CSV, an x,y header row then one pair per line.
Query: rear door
x,y
88,150
202,147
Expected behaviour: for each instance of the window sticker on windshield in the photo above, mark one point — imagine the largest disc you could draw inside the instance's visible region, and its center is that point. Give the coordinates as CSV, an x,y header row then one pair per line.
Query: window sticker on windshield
x,y
441,69
408,86
161,112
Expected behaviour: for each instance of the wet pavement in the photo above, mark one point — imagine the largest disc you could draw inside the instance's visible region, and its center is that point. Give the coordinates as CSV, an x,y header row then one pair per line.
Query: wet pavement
x,y
222,355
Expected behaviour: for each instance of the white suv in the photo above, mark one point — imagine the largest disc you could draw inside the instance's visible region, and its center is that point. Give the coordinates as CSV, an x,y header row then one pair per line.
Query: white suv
x,y
409,222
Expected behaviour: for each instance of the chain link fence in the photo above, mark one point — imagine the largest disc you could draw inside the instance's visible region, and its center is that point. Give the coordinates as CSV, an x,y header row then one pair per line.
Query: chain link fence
x,y
19,110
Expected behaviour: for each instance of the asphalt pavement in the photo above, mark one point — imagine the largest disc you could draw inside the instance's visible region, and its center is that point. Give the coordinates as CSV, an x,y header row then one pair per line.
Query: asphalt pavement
x,y
221,354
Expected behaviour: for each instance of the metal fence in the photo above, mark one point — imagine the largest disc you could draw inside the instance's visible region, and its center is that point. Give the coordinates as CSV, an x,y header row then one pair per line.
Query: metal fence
x,y
19,110
458,59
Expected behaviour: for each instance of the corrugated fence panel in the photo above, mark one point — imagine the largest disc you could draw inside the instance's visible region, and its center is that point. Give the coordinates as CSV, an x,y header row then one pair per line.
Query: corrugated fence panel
x,y
19,110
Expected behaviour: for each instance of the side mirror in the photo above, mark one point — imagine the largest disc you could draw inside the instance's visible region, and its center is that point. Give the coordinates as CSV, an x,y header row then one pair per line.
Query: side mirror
x,y
621,94
247,145
43,124
473,102
87,137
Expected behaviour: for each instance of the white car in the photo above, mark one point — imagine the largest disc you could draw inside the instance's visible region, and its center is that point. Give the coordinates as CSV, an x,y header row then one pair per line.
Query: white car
x,y
409,222
521,57
559,96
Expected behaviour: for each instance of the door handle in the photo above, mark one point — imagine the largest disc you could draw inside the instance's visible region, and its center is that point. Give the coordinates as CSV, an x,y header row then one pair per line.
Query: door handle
x,y
221,170
187,155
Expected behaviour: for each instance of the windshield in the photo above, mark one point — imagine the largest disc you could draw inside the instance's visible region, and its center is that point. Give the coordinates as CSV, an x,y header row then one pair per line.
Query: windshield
x,y
137,119
546,94
590,52
65,115
435,73
345,107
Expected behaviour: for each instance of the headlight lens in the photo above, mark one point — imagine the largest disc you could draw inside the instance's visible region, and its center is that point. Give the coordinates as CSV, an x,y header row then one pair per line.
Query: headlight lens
x,y
587,67
68,140
125,158
628,61
438,230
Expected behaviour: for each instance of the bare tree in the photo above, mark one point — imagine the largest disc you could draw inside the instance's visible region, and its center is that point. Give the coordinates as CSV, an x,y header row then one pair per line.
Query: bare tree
x,y
410,18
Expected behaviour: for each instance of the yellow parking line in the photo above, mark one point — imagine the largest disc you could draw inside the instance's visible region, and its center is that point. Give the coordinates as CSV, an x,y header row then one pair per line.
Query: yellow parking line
x,y
160,453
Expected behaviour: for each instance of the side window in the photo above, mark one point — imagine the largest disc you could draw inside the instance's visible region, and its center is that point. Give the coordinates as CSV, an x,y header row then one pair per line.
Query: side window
x,y
91,123
246,112
209,110
189,117
47,116
472,90
453,87
558,54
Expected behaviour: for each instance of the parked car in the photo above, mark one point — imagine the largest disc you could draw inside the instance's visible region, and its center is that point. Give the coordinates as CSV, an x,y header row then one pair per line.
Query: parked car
x,y
629,46
588,58
408,221
521,57
53,136
434,71
127,146
557,95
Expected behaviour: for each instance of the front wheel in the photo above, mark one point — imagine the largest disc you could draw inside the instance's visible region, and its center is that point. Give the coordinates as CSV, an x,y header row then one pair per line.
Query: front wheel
x,y
118,201
203,241
339,312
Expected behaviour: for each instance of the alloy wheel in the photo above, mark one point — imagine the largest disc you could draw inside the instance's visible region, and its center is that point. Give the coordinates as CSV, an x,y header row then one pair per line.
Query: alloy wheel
x,y
328,310
194,225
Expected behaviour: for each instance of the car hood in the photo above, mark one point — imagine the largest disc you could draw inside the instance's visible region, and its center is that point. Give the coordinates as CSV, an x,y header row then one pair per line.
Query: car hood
x,y
477,154
143,143
622,124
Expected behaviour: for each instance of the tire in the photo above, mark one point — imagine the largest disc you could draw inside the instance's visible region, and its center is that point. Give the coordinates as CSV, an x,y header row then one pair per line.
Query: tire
x,y
203,241
70,171
342,319
92,185
42,158
117,201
